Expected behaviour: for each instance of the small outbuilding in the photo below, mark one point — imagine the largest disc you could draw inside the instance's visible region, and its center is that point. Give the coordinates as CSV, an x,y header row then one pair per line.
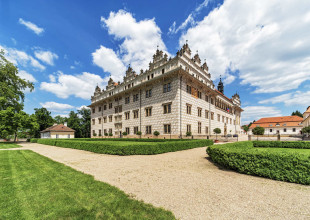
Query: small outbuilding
x,y
58,131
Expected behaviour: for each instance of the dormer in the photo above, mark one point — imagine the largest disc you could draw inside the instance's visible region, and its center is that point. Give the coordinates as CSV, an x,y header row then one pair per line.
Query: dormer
x,y
236,99
205,66
97,91
111,84
186,50
196,59
130,74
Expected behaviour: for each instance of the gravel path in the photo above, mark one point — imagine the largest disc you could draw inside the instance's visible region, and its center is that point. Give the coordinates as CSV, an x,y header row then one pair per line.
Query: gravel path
x,y
188,184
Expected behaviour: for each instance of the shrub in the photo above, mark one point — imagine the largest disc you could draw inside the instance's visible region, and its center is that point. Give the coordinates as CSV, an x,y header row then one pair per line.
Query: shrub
x,y
138,148
94,134
156,133
34,140
106,134
110,134
258,131
282,144
217,131
124,133
289,165
188,134
139,132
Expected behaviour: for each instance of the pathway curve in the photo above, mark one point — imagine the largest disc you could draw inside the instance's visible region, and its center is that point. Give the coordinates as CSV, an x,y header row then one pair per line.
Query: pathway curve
x,y
188,184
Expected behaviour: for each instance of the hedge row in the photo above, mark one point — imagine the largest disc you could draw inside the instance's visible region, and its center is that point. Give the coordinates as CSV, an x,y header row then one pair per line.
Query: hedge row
x,y
282,144
134,149
291,165
128,139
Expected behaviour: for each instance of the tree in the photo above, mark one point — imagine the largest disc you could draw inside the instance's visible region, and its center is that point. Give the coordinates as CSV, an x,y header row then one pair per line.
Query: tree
x,y
217,131
245,128
258,131
11,85
44,119
74,122
156,133
85,122
306,130
297,113
60,120
125,133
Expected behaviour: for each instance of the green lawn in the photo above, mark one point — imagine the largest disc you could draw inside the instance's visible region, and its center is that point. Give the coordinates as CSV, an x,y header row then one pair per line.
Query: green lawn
x,y
35,187
5,145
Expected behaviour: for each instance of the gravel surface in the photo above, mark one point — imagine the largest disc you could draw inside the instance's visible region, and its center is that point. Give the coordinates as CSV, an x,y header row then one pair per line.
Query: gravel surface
x,y
188,184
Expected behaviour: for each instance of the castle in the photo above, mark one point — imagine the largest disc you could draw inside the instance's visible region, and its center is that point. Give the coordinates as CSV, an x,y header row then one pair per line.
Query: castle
x,y
175,97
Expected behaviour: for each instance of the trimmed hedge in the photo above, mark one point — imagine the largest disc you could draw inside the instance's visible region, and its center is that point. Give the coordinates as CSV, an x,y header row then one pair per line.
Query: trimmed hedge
x,y
135,149
282,144
34,140
291,165
126,139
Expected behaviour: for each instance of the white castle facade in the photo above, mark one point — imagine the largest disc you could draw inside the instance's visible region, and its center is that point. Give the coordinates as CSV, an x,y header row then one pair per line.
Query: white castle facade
x,y
174,96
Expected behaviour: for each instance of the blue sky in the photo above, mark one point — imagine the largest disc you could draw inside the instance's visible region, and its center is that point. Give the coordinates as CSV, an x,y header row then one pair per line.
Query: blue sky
x,y
261,49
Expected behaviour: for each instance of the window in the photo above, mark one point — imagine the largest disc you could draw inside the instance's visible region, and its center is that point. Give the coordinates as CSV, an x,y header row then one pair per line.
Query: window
x,y
212,115
199,112
148,129
207,98
127,100
207,130
189,89
199,94
227,120
94,110
68,135
136,114
189,109
152,75
94,132
93,121
100,133
270,130
223,119
105,107
277,124
162,71
99,120
136,97
148,77
294,129
167,108
110,118
207,114
99,109
167,129
110,131
199,127
118,109
218,117
284,129
104,131
105,119
127,130
212,101
127,115
167,87
230,120
148,112
135,129
148,93
189,128
110,105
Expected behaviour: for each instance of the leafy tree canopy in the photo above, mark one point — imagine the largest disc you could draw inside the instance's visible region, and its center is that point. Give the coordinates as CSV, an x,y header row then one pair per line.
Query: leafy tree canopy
x,y
44,119
60,120
85,115
258,131
11,85
297,113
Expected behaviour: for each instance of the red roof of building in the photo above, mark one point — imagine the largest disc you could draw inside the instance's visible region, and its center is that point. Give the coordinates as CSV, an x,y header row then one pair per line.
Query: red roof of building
x,y
60,127
283,121
223,95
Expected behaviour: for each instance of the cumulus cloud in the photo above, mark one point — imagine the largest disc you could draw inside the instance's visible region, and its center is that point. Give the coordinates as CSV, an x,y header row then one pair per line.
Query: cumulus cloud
x,y
31,26
256,112
139,41
47,57
266,41
81,107
81,86
54,106
19,57
290,99
27,76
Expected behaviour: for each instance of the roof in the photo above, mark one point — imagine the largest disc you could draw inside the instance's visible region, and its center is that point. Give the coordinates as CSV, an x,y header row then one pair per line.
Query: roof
x,y
283,121
308,110
60,127
223,95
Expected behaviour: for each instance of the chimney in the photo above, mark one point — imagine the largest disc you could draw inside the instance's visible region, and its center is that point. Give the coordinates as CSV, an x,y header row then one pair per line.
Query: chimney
x,y
66,124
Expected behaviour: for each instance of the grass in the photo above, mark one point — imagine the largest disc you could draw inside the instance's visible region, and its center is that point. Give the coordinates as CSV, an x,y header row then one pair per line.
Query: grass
x,y
35,187
5,145
285,164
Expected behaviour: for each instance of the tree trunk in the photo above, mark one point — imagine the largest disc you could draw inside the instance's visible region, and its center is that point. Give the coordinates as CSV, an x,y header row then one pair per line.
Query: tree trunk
x,y
15,136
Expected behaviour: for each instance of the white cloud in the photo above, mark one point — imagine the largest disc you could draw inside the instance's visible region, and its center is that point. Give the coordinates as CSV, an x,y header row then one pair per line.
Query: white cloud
x,y
46,56
107,59
229,79
31,26
267,41
140,39
81,107
256,112
190,20
290,99
52,78
27,76
72,67
18,57
54,106
81,86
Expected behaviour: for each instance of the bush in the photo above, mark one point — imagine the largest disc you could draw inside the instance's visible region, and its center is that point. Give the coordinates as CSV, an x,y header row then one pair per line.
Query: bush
x,y
110,134
124,133
34,140
258,131
138,148
291,165
188,134
106,134
156,133
282,144
94,134
139,132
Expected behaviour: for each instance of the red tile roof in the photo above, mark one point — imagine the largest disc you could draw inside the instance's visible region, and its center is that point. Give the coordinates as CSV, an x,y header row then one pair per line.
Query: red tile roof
x,y
60,127
283,121
223,95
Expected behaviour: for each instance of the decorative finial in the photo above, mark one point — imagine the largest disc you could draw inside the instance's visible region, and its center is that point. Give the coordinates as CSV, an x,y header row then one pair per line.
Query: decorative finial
x,y
186,41
157,47
205,60
197,51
